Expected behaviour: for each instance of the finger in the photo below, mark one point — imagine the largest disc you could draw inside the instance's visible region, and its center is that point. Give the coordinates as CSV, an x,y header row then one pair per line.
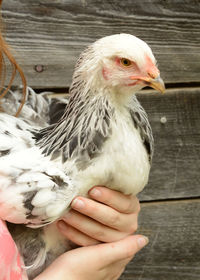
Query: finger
x,y
75,235
121,202
103,255
92,228
106,215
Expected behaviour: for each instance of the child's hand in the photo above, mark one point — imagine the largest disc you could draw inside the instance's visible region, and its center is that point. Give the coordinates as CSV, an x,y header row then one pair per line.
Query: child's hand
x,y
99,262
109,216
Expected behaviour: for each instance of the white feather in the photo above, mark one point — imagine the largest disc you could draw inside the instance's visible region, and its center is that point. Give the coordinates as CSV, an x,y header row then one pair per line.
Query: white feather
x,y
43,198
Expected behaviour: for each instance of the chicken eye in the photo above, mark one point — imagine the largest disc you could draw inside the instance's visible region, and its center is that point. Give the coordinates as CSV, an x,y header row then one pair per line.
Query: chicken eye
x,y
125,62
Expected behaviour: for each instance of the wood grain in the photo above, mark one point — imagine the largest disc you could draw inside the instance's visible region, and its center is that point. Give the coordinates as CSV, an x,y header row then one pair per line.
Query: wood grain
x,y
173,252
53,33
176,162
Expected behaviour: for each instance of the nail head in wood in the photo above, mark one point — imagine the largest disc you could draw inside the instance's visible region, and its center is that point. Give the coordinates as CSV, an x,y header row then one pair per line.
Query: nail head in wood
x,y
39,68
163,120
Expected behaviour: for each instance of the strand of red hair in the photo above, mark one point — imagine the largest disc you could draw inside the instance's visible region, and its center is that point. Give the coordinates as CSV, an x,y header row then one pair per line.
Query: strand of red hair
x,y
5,52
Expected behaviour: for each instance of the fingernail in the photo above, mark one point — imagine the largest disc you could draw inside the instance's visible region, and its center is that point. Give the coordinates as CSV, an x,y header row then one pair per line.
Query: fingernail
x,y
78,203
142,241
95,193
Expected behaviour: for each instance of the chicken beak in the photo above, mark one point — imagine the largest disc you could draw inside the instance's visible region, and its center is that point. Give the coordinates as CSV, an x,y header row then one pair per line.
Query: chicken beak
x,y
156,83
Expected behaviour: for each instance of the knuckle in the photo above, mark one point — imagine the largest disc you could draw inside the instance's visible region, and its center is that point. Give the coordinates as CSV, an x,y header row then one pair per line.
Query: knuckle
x,y
134,227
115,219
100,235
138,206
128,206
134,206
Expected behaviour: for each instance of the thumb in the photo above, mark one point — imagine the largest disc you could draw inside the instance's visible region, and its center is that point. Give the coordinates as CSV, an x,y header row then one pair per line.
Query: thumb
x,y
102,255
119,250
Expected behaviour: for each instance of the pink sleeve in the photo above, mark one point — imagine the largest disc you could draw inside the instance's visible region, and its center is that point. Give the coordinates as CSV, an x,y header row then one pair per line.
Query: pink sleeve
x,y
10,264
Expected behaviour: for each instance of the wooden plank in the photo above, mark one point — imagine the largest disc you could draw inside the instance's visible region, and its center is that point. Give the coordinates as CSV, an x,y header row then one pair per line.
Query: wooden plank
x,y
53,33
176,162
173,252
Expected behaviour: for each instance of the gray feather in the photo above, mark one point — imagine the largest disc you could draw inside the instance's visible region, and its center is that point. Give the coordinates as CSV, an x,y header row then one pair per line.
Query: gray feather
x,y
81,131
141,122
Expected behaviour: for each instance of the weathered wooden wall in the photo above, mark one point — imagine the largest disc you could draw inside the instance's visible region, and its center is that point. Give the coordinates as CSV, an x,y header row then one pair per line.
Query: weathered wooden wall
x,y
52,33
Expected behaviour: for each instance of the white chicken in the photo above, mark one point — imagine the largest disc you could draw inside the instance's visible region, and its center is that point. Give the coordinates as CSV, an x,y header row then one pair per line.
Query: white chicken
x,y
103,138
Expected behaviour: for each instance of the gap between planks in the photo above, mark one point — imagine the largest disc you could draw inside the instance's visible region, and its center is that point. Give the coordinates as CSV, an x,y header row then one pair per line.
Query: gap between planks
x,y
170,88
170,200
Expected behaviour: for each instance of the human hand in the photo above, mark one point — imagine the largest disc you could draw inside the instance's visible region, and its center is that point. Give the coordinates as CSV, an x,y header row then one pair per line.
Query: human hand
x,y
109,216
99,262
